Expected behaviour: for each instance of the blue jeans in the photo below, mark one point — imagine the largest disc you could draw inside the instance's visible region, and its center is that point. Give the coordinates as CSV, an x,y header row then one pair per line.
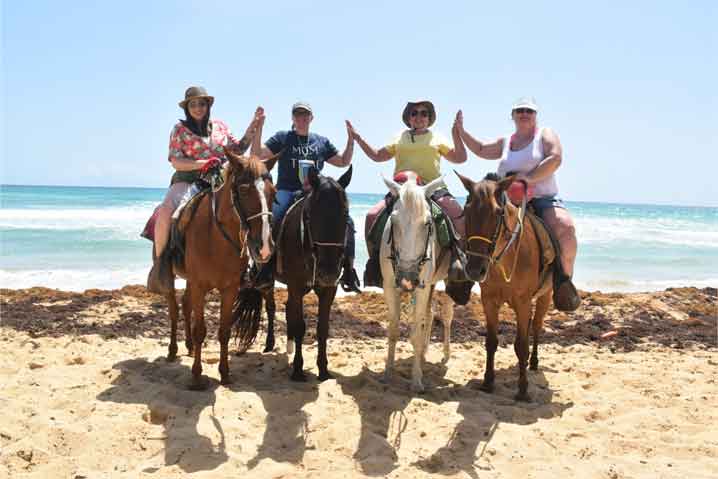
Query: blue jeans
x,y
284,199
543,203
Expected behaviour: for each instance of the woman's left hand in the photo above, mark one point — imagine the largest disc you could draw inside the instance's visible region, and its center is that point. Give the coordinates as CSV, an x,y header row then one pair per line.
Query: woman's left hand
x,y
459,122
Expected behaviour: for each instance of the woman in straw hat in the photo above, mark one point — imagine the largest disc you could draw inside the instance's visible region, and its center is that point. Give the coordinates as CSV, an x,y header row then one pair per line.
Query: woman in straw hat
x,y
417,149
535,154
196,146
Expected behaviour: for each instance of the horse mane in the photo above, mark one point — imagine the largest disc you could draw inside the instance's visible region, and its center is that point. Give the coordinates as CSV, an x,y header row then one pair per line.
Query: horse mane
x,y
253,168
492,176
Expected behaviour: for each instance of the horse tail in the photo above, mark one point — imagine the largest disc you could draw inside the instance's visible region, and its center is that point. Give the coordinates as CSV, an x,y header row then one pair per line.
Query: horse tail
x,y
246,317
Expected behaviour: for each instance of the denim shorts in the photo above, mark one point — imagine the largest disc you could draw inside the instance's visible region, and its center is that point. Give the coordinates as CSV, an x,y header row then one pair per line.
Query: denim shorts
x,y
542,203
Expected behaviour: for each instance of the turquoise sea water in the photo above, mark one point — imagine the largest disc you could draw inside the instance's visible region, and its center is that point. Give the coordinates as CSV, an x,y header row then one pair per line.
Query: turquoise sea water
x,y
75,238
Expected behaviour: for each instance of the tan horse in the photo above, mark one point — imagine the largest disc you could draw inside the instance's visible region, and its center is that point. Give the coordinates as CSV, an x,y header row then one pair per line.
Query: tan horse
x,y
227,225
508,270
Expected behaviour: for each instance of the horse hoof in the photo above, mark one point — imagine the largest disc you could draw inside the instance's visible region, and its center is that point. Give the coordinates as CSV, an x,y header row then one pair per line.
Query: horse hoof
x,y
523,397
299,376
200,384
325,375
487,387
172,357
386,377
418,388
533,366
269,348
226,380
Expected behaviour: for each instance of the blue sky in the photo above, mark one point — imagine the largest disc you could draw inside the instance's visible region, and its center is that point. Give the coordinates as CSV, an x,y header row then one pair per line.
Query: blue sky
x,y
90,89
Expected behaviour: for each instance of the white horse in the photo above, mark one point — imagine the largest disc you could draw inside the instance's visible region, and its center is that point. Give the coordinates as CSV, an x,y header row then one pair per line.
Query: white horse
x,y
412,260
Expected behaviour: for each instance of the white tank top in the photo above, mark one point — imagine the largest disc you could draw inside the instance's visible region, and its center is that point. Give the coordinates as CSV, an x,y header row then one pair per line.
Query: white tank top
x,y
525,160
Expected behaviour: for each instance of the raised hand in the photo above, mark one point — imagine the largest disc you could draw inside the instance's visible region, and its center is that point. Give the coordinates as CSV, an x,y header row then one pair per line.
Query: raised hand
x,y
351,132
459,122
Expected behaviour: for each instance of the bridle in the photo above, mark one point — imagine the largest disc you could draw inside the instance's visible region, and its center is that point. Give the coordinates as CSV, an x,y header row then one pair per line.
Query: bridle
x,y
239,212
501,225
305,227
412,273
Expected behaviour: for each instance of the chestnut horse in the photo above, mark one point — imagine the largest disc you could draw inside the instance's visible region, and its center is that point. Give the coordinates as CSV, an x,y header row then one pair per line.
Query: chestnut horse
x,y
226,225
505,258
311,250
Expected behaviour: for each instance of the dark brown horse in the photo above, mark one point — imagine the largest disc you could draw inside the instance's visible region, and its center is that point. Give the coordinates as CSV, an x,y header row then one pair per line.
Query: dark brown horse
x,y
508,270
228,227
310,257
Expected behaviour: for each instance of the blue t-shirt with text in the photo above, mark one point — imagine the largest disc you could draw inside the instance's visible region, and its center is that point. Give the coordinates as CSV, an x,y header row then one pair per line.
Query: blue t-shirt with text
x,y
296,148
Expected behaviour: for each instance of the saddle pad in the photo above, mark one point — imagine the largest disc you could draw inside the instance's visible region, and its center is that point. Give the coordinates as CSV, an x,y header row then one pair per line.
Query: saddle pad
x,y
543,235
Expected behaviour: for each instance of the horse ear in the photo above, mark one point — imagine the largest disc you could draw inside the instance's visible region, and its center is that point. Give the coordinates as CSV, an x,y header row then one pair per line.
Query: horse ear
x,y
314,178
468,182
346,178
271,161
392,185
433,186
234,159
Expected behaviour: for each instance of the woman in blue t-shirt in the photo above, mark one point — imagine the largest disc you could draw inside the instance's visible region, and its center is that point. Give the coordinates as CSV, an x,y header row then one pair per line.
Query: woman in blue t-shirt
x,y
301,150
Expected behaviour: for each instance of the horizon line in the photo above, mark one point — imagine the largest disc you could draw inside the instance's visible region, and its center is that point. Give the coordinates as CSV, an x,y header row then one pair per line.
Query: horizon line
x,y
368,193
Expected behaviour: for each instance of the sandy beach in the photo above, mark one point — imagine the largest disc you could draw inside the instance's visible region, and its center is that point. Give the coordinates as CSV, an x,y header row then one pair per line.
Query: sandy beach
x,y
626,388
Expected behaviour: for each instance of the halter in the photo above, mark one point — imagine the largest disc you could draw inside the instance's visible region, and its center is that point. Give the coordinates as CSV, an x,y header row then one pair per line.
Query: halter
x,y
496,237
415,266
305,226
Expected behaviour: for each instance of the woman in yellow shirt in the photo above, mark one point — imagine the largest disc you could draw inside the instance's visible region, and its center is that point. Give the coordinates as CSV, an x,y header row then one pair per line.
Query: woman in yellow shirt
x,y
417,149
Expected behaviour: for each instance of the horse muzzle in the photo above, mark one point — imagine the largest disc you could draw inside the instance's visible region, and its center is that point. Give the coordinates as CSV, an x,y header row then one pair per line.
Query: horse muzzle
x,y
477,269
408,281
261,254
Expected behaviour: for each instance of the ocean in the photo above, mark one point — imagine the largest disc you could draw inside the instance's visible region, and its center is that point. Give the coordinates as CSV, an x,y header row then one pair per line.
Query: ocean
x,y
77,238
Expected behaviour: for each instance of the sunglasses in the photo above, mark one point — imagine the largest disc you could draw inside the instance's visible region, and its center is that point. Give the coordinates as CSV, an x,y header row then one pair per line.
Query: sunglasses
x,y
422,113
197,104
524,110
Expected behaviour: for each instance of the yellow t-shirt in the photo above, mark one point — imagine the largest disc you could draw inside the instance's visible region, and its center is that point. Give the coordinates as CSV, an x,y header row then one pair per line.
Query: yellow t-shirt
x,y
421,156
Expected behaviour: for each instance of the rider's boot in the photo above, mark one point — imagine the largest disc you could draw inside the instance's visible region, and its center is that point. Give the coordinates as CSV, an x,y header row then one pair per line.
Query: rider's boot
x,y
161,277
263,274
349,280
565,295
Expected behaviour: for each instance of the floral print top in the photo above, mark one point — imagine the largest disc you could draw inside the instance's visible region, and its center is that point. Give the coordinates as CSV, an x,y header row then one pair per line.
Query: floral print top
x,y
185,144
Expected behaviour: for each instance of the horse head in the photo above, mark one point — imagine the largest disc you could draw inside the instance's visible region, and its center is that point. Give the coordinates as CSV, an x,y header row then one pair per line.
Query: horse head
x,y
325,221
411,235
252,197
485,216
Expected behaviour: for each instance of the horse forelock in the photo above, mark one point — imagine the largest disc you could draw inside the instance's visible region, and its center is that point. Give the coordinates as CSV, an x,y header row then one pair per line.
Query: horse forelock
x,y
412,199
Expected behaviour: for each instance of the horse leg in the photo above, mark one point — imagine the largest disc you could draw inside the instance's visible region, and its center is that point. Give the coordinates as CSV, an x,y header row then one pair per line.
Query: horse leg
x,y
391,296
418,337
429,318
447,316
174,313
199,331
542,305
491,311
187,313
521,345
326,298
225,332
297,327
270,307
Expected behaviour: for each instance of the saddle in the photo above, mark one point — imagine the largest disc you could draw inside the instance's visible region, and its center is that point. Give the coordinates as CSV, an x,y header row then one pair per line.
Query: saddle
x,y
181,218
547,249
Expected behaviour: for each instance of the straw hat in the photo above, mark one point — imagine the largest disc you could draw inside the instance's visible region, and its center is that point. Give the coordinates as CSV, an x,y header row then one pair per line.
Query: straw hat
x,y
195,92
413,104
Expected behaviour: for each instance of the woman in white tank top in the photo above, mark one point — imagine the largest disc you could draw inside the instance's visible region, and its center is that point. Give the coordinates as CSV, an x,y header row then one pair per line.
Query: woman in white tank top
x,y
535,154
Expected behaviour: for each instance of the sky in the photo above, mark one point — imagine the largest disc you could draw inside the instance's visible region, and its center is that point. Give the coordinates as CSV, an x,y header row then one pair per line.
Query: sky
x,y
90,89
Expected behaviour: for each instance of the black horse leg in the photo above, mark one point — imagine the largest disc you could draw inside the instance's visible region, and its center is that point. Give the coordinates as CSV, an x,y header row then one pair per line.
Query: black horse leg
x,y
295,322
326,298
270,307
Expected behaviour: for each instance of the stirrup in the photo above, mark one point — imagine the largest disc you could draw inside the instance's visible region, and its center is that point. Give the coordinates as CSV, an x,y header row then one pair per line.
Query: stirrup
x,y
161,279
